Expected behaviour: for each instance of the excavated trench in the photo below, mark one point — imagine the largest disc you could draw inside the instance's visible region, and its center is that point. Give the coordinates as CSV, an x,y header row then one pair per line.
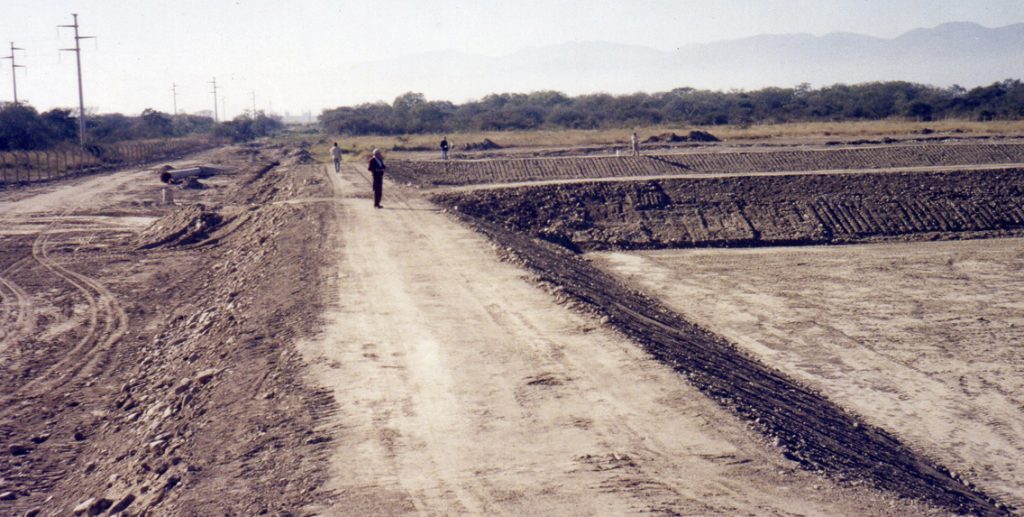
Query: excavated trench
x,y
544,227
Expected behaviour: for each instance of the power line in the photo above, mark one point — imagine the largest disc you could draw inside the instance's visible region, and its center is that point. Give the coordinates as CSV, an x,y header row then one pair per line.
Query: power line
x,y
214,92
78,59
14,70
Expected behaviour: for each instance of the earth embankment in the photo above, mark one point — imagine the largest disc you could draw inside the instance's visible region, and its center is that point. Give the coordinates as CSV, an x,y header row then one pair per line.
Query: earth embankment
x,y
726,161
757,210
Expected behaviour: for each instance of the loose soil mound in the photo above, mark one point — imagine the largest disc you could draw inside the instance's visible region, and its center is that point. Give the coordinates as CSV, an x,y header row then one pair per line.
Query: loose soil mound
x,y
186,225
538,169
486,145
757,210
298,157
694,136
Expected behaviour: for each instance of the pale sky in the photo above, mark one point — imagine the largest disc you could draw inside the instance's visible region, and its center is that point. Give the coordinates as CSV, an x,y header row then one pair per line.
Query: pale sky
x,y
284,49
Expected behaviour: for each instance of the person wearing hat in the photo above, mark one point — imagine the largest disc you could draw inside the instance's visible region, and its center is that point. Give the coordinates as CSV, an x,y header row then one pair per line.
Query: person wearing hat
x,y
377,169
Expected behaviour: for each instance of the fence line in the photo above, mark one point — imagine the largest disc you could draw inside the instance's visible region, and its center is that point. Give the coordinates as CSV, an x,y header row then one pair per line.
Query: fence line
x,y
24,167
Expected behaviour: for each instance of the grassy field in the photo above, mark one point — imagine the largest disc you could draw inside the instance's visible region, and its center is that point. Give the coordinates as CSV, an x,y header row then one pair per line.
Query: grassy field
x,y
804,131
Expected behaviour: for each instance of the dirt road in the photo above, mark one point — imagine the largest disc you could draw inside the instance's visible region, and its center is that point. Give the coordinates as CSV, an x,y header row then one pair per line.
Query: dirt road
x,y
920,338
463,388
274,345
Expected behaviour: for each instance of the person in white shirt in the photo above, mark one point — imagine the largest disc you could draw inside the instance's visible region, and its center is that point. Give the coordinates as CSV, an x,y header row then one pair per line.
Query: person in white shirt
x,y
336,156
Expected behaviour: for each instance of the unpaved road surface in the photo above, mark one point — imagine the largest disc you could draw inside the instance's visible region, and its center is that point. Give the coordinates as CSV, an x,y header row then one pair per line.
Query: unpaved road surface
x,y
272,345
464,388
922,339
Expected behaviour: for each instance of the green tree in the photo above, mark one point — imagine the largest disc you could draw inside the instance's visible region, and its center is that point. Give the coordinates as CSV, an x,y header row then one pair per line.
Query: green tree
x,y
21,128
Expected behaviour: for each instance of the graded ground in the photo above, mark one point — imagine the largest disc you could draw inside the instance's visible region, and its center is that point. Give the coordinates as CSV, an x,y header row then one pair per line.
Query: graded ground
x,y
272,344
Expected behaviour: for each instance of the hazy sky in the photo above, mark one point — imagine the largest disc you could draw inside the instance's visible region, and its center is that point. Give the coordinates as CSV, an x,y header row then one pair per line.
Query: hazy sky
x,y
289,51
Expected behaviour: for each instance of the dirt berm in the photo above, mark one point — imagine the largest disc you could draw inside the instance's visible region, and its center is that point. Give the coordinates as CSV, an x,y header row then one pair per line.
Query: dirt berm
x,y
757,210
472,172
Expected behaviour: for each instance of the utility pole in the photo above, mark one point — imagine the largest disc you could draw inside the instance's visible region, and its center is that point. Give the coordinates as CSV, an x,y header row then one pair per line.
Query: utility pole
x,y
78,59
174,95
14,70
214,83
254,104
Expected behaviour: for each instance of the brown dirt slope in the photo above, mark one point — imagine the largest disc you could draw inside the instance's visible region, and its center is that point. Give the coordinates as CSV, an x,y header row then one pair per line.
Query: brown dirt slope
x,y
164,380
758,210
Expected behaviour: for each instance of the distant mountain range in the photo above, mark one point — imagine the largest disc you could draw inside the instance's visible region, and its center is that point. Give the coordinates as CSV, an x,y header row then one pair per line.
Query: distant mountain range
x,y
954,53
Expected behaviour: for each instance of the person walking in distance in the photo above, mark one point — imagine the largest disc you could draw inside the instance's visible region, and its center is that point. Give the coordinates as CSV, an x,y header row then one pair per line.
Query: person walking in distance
x,y
635,140
377,169
444,148
336,156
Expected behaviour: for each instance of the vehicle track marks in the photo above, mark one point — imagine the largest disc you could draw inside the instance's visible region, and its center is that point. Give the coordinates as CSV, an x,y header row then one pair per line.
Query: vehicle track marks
x,y
16,314
106,324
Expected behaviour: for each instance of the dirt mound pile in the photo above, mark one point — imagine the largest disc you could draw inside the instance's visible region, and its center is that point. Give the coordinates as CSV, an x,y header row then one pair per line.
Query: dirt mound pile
x,y
299,157
187,225
694,136
486,145
703,136
665,137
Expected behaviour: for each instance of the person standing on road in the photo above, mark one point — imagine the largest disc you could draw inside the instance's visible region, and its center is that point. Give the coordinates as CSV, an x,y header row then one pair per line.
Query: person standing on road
x,y
444,148
336,156
377,169
635,140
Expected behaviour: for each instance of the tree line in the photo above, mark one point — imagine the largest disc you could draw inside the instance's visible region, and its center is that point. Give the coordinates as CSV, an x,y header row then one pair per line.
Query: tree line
x,y
24,128
413,113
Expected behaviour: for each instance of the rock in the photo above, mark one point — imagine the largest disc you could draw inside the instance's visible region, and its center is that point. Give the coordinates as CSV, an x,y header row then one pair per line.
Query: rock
x,y
122,504
182,385
207,375
172,482
33,512
8,496
40,438
84,506
19,450
78,436
100,506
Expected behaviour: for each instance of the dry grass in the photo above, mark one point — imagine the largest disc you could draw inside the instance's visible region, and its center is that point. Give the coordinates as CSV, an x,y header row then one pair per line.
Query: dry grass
x,y
359,147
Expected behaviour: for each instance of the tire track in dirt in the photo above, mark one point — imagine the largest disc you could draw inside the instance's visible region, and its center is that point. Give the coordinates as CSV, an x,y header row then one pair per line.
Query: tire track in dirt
x,y
106,325
462,388
805,425
16,314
